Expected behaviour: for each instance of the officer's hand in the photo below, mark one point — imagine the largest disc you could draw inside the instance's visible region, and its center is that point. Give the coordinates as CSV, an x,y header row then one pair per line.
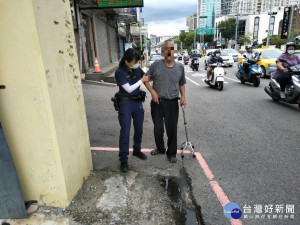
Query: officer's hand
x,y
154,96
145,78
183,102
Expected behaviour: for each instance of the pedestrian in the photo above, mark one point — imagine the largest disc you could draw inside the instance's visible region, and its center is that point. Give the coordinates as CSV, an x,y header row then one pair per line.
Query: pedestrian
x,y
129,76
142,58
168,80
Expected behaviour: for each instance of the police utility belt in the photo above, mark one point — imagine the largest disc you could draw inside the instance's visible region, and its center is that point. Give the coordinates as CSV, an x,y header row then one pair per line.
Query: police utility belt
x,y
119,98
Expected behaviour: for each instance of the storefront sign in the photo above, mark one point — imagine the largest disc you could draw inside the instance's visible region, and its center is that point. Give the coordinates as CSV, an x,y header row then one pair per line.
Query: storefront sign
x,y
119,3
285,22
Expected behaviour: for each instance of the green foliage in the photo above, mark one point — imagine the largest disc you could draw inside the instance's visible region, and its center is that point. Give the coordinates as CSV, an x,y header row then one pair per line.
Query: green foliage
x,y
208,38
294,33
227,28
187,39
244,39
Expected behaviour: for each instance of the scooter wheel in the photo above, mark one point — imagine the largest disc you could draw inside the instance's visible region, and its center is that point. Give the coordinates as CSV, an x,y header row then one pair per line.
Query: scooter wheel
x,y
194,156
182,156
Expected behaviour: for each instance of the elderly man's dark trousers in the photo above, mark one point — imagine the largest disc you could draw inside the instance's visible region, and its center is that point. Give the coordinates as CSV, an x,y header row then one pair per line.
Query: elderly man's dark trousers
x,y
165,114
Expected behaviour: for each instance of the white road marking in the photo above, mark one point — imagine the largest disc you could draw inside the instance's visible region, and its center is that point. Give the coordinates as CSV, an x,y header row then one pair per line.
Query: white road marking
x,y
232,79
198,75
192,81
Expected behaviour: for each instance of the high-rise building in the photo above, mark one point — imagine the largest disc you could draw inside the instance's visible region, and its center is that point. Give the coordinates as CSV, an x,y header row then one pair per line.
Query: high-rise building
x,y
211,9
274,5
226,6
153,39
254,6
191,22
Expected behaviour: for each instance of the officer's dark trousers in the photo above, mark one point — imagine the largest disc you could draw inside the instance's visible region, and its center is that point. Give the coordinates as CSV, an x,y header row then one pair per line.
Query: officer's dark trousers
x,y
128,110
283,80
165,113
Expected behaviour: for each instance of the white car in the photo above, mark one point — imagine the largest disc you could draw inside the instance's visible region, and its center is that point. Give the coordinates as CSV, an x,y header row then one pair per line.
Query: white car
x,y
228,60
154,57
233,53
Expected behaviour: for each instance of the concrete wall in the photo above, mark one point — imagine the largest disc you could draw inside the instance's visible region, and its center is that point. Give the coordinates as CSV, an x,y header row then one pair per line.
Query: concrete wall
x,y
102,43
42,109
114,44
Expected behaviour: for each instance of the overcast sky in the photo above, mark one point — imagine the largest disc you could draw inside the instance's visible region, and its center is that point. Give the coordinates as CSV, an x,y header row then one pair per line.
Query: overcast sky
x,y
167,17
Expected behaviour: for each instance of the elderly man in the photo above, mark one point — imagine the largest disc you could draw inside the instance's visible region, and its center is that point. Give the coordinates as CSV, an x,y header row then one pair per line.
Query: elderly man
x,y
168,80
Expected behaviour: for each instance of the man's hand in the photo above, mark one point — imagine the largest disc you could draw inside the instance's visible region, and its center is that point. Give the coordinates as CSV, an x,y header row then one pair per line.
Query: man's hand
x,y
183,102
154,96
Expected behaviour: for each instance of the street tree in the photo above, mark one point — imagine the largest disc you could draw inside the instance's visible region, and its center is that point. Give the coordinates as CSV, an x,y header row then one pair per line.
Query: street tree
x,y
245,39
227,28
189,38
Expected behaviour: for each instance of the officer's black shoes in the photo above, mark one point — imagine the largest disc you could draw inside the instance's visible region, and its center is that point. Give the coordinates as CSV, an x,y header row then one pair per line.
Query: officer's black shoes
x,y
124,166
156,152
140,155
172,159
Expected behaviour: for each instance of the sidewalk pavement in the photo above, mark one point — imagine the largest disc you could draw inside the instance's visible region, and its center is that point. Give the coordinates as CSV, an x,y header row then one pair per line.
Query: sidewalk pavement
x,y
154,191
106,74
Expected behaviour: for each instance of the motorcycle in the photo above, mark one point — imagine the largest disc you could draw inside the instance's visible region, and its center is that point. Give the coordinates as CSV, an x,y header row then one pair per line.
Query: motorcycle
x,y
186,60
195,63
218,80
254,71
292,90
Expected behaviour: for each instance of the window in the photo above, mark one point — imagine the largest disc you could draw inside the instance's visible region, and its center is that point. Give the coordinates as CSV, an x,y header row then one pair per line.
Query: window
x,y
241,28
272,21
256,27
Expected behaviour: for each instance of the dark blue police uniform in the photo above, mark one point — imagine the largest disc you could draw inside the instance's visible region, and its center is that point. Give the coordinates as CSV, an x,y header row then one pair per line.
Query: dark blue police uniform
x,y
129,109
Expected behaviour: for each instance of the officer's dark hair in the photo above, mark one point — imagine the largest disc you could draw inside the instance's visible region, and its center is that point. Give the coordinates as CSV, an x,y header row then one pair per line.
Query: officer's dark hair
x,y
129,55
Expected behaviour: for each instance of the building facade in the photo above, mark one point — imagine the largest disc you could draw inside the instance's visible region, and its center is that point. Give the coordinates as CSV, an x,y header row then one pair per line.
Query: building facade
x,y
254,6
255,26
211,9
191,22
153,39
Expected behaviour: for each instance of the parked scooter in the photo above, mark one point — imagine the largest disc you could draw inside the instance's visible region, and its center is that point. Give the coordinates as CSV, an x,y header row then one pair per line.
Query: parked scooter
x,y
195,63
218,80
292,90
254,71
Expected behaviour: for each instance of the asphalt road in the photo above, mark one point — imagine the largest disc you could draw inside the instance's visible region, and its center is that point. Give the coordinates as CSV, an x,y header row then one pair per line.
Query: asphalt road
x,y
250,143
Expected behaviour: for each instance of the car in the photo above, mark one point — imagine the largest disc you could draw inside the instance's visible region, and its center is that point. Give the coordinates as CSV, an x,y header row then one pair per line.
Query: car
x,y
297,54
154,57
233,53
228,60
267,60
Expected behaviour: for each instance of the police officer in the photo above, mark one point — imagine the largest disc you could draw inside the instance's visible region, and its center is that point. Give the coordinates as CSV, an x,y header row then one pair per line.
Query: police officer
x,y
129,76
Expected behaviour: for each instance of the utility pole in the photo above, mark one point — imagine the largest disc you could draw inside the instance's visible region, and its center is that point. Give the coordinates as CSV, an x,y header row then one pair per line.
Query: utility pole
x,y
270,16
195,31
138,15
236,31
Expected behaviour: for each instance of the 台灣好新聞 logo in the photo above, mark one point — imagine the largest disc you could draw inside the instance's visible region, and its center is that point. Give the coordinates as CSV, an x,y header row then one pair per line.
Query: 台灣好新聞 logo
x,y
232,210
